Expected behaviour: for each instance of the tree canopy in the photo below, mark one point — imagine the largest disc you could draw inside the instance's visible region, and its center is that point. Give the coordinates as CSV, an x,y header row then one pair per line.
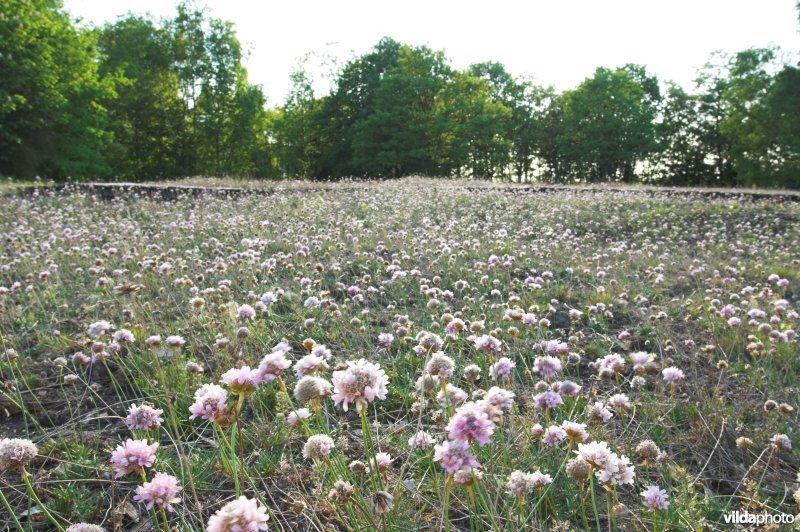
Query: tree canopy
x,y
152,99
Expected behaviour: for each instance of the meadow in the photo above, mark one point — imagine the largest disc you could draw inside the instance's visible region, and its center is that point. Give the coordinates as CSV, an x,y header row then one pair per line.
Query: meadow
x,y
404,355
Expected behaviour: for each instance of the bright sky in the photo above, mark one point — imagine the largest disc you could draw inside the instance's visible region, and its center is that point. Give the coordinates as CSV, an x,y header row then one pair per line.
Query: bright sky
x,y
558,42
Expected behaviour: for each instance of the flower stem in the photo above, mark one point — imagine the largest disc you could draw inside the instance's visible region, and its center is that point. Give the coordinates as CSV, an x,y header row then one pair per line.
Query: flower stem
x,y
594,505
10,512
42,506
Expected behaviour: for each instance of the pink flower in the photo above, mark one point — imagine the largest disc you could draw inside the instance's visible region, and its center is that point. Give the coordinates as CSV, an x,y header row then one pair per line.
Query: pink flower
x,y
613,362
175,341
385,339
241,381
575,431
241,515
502,369
295,416
153,341
598,411
124,335
488,344
317,446
548,399
440,365
310,364
639,359
161,491
672,375
620,401
781,441
246,312
499,398
273,365
420,440
455,396
132,456
569,389
384,460
655,498
547,366
521,483
553,435
361,383
454,455
143,417
209,402
470,422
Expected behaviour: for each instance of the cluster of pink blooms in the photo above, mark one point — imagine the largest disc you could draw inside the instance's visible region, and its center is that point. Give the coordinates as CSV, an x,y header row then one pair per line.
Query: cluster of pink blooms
x,y
521,483
161,491
473,421
548,400
133,456
547,366
360,383
143,417
502,369
240,515
609,468
655,498
241,381
672,375
274,364
209,402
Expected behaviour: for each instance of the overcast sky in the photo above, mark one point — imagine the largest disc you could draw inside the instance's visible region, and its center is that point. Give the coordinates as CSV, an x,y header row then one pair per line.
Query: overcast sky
x,y
558,42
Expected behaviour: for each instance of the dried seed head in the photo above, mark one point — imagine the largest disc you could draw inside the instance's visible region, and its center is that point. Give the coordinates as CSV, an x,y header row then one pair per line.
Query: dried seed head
x,y
381,502
648,451
579,469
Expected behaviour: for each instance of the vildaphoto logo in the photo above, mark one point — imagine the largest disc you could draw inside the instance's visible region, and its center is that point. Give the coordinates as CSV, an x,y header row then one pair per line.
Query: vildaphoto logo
x,y
739,517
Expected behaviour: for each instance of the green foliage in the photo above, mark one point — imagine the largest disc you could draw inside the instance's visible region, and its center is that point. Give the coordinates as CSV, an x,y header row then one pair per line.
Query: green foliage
x,y
609,124
146,99
52,118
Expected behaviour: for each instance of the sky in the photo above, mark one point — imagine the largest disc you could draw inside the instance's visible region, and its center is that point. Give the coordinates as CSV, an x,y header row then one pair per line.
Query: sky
x,y
556,42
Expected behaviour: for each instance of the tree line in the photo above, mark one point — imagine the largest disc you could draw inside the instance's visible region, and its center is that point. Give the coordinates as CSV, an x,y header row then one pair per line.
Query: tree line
x,y
144,99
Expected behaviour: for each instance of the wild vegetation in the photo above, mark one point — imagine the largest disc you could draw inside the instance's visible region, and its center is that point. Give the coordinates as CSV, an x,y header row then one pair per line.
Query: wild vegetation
x,y
143,99
406,355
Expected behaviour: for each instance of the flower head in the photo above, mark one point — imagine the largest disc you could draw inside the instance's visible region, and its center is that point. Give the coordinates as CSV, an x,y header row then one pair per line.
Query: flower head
x,y
502,369
241,515
454,455
317,446
143,417
547,366
361,383
469,423
98,328
548,399
420,440
440,365
310,388
209,402
295,416
241,381
672,375
132,456
655,498
310,364
273,365
16,452
85,527
162,491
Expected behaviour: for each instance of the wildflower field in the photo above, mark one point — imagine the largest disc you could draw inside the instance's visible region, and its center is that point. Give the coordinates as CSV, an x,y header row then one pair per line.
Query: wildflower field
x,y
406,355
